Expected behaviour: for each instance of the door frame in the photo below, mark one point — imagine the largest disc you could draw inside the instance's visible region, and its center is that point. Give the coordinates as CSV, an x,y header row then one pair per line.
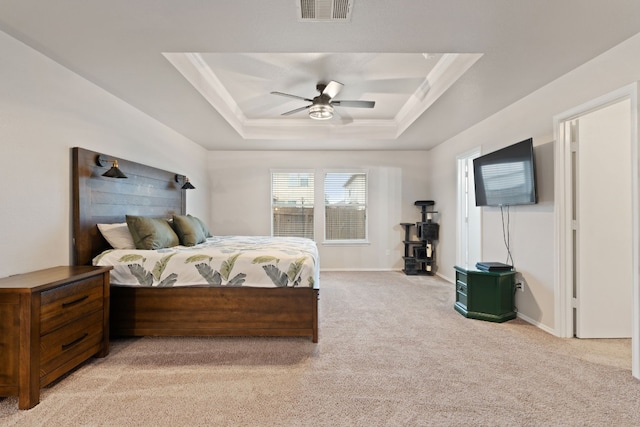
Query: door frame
x,y
466,156
563,272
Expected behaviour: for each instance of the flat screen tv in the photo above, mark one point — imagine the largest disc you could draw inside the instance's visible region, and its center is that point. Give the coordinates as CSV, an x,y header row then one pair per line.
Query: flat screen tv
x,y
506,177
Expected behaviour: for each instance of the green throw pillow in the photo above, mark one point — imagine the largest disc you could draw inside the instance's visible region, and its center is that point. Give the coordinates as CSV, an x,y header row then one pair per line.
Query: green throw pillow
x,y
188,229
151,233
205,229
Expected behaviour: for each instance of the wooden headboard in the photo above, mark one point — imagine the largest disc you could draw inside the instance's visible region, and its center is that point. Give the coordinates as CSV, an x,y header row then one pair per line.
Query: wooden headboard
x,y
100,200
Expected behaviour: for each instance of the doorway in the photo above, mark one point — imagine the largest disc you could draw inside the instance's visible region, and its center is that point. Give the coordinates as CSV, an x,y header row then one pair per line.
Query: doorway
x,y
469,215
597,244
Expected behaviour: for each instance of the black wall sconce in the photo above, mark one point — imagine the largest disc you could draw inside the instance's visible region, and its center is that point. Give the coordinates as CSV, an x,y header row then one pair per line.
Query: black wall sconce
x,y
114,171
186,185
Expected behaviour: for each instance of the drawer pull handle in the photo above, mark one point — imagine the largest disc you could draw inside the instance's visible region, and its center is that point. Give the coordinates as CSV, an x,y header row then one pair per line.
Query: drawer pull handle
x,y
74,302
74,342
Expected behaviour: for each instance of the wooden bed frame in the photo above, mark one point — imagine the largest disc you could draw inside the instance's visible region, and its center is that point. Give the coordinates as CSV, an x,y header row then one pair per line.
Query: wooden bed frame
x,y
177,311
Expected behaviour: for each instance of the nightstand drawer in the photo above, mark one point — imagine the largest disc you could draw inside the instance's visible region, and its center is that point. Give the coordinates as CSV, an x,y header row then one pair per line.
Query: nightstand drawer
x,y
70,302
65,347
461,293
461,277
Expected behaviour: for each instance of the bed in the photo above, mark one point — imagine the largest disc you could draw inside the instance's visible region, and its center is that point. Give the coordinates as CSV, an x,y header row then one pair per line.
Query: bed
x,y
252,290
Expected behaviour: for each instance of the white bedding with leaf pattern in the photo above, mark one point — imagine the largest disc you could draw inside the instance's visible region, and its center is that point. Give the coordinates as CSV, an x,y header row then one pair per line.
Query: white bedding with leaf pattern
x,y
255,261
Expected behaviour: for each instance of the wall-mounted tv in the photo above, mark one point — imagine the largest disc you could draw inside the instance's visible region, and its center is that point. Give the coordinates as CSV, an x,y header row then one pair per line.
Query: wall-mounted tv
x,y
506,177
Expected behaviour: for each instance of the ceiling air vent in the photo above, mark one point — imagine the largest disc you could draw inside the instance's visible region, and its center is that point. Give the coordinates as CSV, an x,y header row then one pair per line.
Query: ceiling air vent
x,y
324,10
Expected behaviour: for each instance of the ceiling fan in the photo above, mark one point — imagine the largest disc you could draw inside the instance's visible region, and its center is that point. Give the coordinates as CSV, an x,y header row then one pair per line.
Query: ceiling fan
x,y
321,107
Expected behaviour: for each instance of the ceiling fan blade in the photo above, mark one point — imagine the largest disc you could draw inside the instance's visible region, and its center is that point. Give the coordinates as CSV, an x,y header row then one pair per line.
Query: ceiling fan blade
x,y
357,104
292,96
297,110
332,89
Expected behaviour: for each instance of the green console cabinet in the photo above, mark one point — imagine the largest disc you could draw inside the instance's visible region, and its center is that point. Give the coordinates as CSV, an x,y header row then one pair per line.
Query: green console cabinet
x,y
485,295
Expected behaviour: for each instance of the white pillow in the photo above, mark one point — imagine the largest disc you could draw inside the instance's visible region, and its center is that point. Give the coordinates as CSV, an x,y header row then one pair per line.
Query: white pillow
x,y
118,235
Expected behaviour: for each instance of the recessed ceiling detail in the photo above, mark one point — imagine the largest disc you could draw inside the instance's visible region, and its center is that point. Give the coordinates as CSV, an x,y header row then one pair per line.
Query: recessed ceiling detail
x,y
525,46
240,85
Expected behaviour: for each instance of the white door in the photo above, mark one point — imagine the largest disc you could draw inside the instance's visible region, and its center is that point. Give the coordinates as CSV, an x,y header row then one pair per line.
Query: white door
x,y
603,222
469,215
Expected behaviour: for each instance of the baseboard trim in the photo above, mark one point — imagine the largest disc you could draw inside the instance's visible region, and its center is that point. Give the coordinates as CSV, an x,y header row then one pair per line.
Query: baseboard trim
x,y
537,324
445,278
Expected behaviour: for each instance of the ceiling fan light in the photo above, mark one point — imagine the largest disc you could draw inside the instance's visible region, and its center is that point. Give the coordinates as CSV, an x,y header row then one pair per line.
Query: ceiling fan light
x,y
321,112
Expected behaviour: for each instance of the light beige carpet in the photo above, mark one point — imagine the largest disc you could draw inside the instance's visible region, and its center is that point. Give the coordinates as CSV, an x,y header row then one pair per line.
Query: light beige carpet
x,y
392,352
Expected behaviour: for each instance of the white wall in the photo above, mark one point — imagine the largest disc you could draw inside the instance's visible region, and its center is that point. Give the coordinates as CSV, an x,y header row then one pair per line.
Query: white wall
x,y
240,198
532,227
45,109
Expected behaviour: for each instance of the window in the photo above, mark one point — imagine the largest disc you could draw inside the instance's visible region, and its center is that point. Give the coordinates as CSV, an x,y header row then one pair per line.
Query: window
x,y
292,204
345,201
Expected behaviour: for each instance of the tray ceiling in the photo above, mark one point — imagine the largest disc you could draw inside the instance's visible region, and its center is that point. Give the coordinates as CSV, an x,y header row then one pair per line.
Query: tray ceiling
x,y
147,53
239,86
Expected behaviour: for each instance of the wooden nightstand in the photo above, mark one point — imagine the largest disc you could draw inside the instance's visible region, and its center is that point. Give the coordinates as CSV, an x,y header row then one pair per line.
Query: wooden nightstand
x,y
50,321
